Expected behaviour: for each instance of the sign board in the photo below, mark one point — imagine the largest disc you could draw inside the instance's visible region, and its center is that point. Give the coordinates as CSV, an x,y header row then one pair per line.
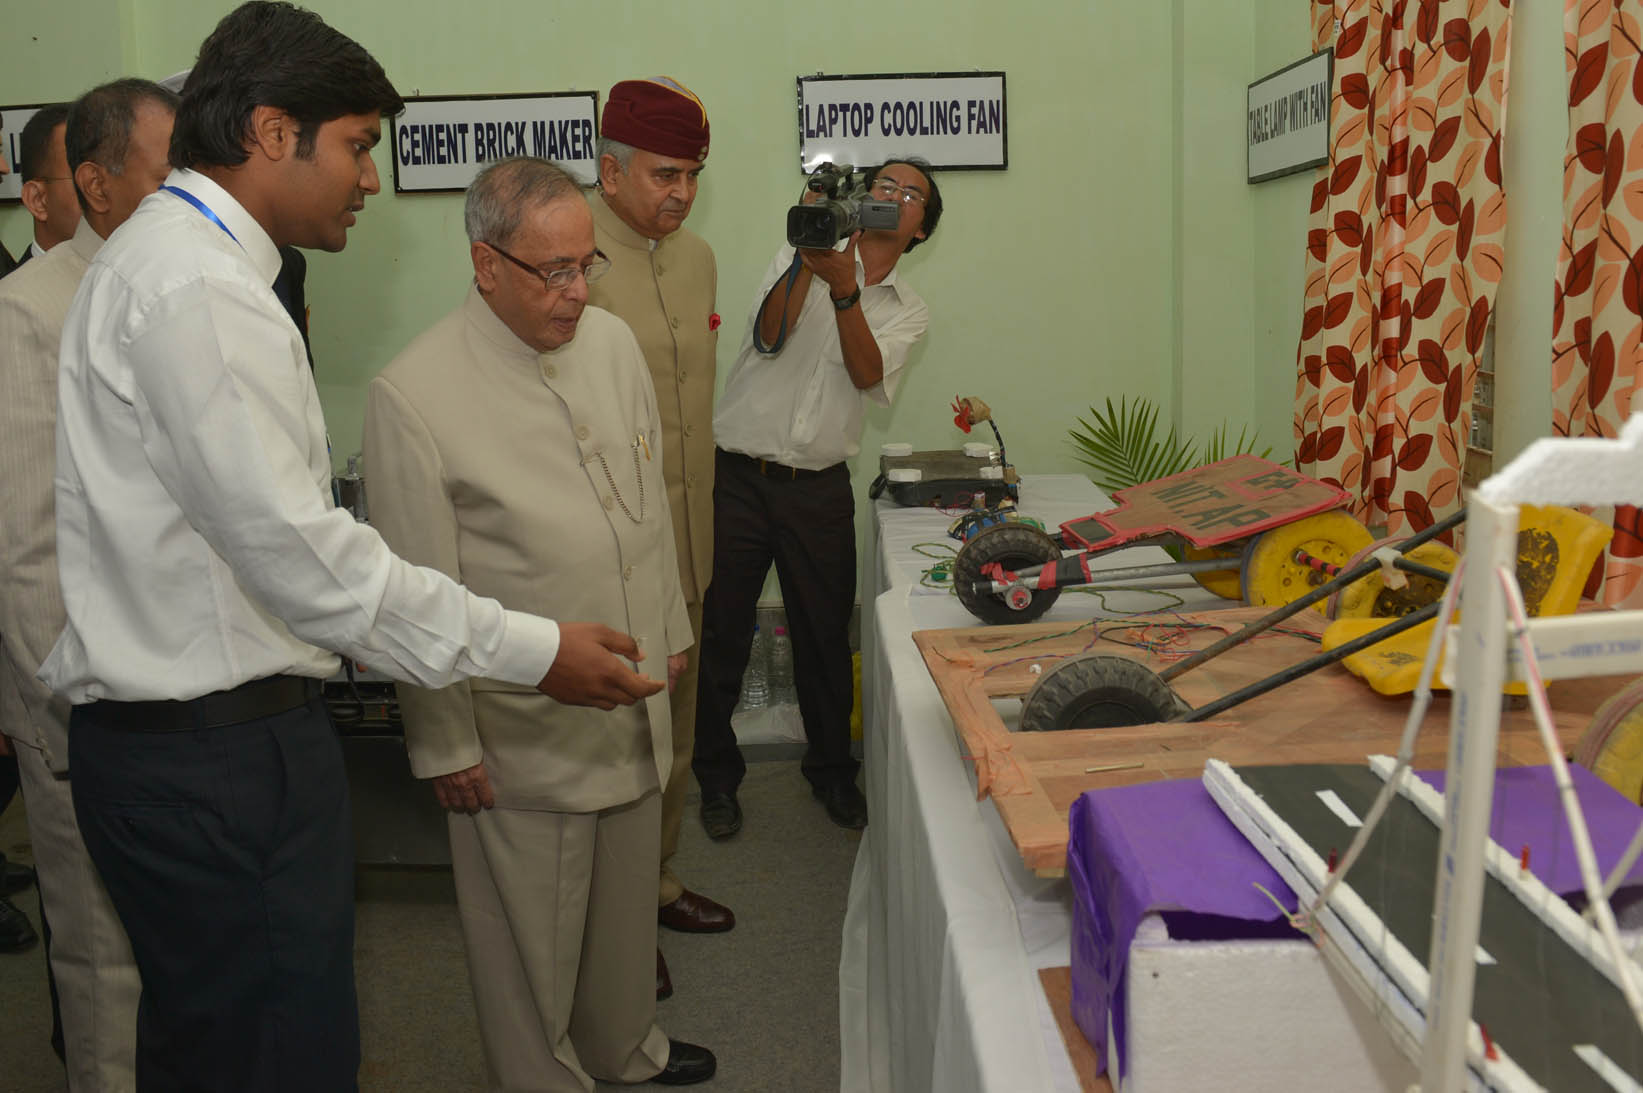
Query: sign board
x,y
954,120
12,120
441,142
1287,118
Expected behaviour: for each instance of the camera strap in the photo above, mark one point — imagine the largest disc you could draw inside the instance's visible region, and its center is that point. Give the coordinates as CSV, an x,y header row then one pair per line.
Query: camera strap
x,y
790,278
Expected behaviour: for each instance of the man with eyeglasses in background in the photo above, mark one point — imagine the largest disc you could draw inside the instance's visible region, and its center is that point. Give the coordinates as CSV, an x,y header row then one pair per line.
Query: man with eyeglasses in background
x,y
7,262
516,446
653,141
48,189
117,139
829,335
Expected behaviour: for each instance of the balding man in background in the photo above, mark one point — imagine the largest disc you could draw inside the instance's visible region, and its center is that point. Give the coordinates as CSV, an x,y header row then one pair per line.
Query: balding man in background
x,y
653,140
116,142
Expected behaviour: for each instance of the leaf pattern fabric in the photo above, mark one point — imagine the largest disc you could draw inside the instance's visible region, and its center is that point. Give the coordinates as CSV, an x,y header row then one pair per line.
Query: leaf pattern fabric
x,y
1598,305
1404,251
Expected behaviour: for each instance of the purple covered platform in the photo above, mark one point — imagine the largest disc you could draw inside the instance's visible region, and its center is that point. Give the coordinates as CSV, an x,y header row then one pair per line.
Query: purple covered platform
x,y
1166,848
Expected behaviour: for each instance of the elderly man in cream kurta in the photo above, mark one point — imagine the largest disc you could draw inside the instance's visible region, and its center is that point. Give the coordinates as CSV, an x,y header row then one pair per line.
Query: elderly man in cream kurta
x,y
516,446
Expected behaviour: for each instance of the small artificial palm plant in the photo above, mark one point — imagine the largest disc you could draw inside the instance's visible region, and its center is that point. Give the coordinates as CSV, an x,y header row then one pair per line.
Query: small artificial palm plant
x,y
1121,445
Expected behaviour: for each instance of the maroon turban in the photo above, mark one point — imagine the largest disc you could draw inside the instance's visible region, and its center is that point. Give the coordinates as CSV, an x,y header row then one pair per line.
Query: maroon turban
x,y
658,115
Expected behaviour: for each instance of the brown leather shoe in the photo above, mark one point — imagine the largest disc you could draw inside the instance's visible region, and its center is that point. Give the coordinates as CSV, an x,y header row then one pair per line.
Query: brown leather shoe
x,y
695,914
664,982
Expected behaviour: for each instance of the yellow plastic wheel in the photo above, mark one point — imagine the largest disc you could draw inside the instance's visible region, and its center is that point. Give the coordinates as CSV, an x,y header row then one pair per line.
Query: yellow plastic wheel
x,y
1226,583
1612,746
1271,574
1370,598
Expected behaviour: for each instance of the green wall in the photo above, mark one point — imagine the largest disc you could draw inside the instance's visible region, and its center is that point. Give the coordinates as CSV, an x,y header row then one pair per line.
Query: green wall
x,y
1121,253
1283,33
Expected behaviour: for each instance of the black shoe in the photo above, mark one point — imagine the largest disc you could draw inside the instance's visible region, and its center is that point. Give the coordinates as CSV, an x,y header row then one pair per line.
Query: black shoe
x,y
687,1064
15,878
16,932
845,804
664,981
721,815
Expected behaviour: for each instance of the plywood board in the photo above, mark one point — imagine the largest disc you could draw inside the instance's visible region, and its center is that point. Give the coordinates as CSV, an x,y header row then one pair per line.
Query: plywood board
x,y
1058,991
1216,503
1329,716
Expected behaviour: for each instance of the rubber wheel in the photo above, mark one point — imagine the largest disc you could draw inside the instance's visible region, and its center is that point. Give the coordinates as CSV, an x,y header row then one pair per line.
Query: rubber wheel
x,y
1612,746
1369,598
1097,691
1014,546
1226,583
1271,575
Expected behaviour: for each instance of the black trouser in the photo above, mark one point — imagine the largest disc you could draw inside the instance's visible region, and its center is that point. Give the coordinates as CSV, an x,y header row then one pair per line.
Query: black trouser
x,y
9,781
228,854
806,525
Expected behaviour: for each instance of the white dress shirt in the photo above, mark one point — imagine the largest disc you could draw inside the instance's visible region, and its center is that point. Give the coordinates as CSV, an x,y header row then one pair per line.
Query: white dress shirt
x,y
800,407
196,538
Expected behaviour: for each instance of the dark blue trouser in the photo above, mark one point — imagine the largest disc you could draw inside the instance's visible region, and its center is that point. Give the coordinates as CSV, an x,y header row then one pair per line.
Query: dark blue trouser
x,y
228,854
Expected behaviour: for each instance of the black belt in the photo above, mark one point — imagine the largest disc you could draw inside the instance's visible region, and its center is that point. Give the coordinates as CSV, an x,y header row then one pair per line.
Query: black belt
x,y
771,469
249,701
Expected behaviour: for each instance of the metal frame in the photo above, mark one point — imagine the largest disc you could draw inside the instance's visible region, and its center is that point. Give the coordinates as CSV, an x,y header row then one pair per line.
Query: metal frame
x,y
1577,471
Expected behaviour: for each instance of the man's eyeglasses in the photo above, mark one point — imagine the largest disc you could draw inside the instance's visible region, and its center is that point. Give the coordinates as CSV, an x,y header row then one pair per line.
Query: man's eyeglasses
x,y
561,279
887,190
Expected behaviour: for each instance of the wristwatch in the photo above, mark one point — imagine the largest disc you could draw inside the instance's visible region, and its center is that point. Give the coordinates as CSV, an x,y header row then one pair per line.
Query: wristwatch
x,y
845,303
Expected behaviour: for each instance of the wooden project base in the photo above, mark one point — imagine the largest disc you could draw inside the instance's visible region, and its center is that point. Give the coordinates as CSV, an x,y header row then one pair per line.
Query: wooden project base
x,y
1058,991
1329,716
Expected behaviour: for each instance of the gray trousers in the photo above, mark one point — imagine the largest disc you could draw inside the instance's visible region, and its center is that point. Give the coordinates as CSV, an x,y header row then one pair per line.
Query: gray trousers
x,y
97,981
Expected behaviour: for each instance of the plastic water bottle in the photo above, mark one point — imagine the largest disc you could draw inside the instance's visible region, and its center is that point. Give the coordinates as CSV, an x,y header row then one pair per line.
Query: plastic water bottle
x,y
755,677
781,668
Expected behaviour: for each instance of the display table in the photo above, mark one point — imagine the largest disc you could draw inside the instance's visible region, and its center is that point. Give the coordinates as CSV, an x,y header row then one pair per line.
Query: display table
x,y
945,929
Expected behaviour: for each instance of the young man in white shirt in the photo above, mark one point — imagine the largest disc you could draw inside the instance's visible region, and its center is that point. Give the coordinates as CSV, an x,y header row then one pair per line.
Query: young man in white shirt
x,y
209,582
830,333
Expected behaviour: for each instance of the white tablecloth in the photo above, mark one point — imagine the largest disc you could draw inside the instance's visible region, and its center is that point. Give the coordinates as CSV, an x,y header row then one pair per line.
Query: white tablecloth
x,y
945,928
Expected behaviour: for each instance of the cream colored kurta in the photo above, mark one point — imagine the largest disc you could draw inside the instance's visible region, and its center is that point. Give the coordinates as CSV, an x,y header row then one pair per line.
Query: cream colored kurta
x,y
515,473
666,295
32,309
97,982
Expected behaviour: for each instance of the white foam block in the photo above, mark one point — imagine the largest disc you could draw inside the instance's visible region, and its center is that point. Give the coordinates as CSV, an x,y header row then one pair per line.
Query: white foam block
x,y
1257,1015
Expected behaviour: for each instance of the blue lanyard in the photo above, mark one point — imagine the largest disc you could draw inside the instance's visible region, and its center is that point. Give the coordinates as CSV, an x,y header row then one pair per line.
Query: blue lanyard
x,y
204,209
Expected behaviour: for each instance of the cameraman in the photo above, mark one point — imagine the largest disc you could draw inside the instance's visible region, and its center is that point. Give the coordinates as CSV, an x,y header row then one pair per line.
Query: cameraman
x,y
839,326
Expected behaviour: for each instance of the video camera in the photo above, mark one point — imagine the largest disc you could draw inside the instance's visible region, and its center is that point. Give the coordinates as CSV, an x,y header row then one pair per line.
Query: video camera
x,y
843,209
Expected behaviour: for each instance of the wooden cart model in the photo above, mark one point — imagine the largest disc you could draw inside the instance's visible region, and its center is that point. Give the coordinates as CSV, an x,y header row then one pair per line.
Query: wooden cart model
x,y
1240,522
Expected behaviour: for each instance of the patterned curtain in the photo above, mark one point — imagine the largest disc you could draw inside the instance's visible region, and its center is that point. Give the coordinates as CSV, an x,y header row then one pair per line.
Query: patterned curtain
x,y
1404,251
1596,351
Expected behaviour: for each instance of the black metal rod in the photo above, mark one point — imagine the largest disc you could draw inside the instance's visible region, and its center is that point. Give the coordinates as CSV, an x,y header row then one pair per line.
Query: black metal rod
x,y
1421,570
1295,607
1312,664
1399,562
